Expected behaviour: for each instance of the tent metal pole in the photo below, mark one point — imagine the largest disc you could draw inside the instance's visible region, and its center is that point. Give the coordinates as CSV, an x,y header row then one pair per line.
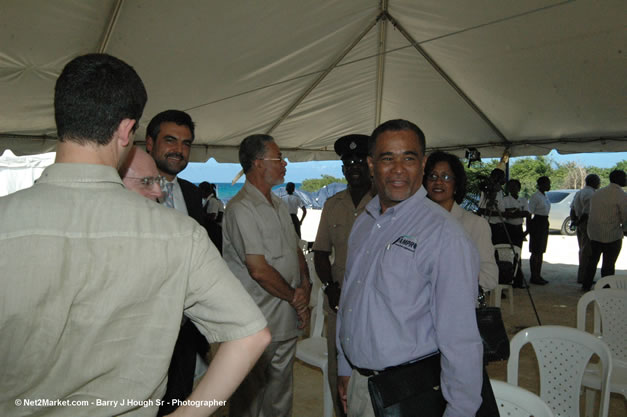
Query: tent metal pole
x,y
381,61
448,79
322,76
111,26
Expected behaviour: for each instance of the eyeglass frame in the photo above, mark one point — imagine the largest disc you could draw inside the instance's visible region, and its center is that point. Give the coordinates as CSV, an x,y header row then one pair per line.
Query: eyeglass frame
x,y
149,181
434,177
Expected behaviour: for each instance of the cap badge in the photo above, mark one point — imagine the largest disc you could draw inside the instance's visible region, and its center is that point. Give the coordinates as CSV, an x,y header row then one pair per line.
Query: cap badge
x,y
352,146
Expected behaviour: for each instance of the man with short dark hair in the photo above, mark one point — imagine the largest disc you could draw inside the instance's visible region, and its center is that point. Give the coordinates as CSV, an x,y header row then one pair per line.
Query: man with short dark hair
x,y
607,224
492,205
337,218
95,278
410,286
261,248
579,213
169,138
294,203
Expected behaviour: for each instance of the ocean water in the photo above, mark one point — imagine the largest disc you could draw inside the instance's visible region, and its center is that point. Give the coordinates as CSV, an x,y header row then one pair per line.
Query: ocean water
x,y
226,191
315,200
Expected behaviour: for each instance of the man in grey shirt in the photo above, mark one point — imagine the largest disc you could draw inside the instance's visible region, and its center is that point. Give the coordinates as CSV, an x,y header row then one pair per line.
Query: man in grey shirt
x,y
579,212
410,285
261,249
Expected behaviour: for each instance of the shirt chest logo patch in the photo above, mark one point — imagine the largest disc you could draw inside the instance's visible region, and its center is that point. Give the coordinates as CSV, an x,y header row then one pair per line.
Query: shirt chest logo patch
x,y
406,242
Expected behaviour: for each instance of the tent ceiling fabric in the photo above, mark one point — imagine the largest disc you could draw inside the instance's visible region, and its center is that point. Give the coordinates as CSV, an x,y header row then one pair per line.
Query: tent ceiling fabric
x,y
525,75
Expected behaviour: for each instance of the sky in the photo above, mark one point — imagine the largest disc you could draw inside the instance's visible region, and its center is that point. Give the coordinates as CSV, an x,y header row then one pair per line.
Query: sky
x,y
213,171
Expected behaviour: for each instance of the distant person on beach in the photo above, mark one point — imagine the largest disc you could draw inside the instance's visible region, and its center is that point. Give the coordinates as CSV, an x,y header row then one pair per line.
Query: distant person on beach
x,y
607,225
539,207
140,174
95,278
579,213
262,250
337,218
294,203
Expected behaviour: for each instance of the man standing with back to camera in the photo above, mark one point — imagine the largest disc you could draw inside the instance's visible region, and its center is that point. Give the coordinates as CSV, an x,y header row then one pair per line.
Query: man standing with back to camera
x,y
95,278
410,287
336,221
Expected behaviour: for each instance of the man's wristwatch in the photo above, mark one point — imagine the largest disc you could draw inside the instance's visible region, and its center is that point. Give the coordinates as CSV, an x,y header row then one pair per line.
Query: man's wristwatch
x,y
324,286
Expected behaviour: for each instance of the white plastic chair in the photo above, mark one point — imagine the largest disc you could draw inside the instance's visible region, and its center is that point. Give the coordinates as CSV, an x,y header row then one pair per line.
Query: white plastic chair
x,y
563,354
514,401
614,281
505,253
313,350
610,324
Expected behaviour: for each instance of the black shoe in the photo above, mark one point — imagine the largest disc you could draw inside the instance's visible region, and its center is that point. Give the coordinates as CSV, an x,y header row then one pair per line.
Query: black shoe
x,y
538,281
519,285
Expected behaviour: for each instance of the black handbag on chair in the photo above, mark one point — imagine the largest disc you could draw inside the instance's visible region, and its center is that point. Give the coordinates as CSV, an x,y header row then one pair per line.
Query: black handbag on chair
x,y
492,331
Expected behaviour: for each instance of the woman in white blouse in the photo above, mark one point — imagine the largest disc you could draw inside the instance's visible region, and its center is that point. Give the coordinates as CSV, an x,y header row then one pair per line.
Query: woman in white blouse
x,y
539,206
445,182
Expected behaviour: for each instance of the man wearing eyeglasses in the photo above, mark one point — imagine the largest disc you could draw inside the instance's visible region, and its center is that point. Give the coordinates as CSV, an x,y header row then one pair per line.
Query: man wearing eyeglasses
x,y
338,215
140,174
261,248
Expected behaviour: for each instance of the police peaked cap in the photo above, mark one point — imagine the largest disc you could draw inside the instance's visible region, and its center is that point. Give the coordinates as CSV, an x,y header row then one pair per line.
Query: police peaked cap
x,y
351,144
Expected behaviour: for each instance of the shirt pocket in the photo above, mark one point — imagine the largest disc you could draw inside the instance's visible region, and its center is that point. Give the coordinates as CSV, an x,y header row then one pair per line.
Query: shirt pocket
x,y
399,280
339,233
272,239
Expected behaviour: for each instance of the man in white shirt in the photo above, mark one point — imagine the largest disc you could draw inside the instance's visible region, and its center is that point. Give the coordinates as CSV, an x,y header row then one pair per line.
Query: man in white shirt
x,y
261,249
516,209
294,203
579,212
491,205
607,224
539,206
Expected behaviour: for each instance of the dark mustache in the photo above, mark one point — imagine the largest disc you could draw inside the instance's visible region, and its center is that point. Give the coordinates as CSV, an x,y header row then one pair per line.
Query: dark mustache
x,y
177,154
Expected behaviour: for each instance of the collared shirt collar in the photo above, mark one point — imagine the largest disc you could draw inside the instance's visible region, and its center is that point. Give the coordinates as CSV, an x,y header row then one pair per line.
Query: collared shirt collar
x,y
374,206
64,173
257,196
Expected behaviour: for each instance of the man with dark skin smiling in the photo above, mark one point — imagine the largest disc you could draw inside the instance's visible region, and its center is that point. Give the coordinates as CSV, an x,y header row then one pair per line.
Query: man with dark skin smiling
x,y
337,218
410,288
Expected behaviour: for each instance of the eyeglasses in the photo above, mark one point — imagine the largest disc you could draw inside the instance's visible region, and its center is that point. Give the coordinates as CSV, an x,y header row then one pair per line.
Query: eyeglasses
x,y
282,159
443,177
149,181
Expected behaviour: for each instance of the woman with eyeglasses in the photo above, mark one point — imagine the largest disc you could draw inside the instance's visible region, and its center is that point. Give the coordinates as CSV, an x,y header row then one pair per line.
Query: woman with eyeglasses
x,y
445,182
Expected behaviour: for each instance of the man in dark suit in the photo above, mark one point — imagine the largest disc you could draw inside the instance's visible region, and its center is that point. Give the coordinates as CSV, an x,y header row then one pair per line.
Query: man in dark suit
x,y
169,138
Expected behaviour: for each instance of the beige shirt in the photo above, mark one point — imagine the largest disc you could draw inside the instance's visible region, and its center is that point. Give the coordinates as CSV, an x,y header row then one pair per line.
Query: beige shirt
x,y
336,221
608,214
253,226
94,282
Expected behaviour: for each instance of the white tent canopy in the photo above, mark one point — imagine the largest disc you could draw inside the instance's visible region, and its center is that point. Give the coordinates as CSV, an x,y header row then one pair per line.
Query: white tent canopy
x,y
527,76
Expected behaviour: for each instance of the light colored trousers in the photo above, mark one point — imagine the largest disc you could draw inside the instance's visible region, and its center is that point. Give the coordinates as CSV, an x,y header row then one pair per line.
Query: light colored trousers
x,y
268,389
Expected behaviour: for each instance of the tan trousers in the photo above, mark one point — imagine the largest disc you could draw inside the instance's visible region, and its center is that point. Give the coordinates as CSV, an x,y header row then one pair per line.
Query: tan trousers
x,y
267,391
359,403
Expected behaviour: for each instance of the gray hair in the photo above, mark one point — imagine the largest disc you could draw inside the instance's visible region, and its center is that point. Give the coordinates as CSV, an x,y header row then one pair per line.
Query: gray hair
x,y
252,147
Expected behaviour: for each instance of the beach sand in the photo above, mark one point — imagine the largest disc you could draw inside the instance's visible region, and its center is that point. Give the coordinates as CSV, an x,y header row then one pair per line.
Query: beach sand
x,y
556,304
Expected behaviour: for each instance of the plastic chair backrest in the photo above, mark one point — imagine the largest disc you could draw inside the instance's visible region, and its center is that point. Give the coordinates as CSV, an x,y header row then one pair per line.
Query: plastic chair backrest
x,y
563,354
505,253
514,401
614,281
611,322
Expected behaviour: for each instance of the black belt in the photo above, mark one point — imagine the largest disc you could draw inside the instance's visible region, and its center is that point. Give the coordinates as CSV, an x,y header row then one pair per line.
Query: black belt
x,y
370,372
366,372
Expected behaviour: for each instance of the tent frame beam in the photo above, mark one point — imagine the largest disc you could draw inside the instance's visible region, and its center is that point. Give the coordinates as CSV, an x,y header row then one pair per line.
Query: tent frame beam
x,y
381,62
322,76
113,20
447,78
